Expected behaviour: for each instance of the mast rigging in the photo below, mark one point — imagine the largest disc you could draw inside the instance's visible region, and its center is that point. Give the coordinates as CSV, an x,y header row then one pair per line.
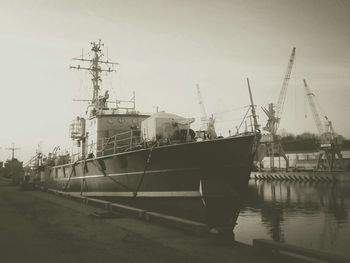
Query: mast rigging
x,y
95,70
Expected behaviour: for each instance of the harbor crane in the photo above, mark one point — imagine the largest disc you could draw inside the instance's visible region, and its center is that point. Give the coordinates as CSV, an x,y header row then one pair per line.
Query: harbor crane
x,y
204,116
330,142
207,124
271,142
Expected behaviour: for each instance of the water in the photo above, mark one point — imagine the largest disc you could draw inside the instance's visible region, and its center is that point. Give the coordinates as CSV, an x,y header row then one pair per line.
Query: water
x,y
309,215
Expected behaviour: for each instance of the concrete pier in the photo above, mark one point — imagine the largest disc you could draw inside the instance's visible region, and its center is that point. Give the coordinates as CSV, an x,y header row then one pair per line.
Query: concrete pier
x,y
301,176
36,226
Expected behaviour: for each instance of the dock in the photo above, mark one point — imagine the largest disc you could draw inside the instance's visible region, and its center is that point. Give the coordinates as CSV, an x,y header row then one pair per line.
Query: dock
x,y
301,176
38,226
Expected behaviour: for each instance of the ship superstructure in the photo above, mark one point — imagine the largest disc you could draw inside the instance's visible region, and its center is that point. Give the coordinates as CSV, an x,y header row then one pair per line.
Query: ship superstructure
x,y
103,122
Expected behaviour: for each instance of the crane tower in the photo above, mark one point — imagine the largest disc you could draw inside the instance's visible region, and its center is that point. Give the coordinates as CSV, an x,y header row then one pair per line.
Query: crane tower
x,y
270,144
207,124
330,147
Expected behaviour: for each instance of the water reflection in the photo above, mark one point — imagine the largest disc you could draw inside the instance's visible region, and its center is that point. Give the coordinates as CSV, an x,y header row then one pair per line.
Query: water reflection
x,y
311,215
314,215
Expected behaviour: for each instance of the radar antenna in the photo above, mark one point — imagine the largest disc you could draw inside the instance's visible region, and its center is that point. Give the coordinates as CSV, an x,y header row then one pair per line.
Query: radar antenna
x,y
95,69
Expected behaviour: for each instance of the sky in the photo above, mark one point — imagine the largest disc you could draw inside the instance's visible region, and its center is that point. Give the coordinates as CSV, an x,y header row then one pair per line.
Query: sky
x,y
164,49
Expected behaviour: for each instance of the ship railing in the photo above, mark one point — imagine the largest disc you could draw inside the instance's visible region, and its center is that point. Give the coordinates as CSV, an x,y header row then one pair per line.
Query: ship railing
x,y
117,143
76,157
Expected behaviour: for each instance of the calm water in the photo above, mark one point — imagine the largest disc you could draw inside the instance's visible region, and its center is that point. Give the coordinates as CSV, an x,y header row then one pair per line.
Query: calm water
x,y
311,215
305,214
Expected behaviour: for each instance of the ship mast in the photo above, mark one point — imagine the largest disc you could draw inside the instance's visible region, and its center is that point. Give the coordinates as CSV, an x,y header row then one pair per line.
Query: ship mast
x,y
95,69
252,107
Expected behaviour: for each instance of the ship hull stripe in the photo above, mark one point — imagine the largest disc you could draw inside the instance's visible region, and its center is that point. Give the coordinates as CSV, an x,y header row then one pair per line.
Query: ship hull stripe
x,y
141,194
130,173
138,172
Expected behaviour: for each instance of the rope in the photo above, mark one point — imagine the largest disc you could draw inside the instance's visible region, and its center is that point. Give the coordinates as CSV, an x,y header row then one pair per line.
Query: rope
x,y
73,170
106,175
243,119
295,91
229,110
83,181
144,170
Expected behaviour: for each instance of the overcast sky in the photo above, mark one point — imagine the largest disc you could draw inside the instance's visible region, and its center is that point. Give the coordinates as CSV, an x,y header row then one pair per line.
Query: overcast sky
x,y
165,48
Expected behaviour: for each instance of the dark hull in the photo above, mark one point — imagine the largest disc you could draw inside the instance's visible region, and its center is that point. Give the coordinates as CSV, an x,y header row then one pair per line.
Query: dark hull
x,y
215,171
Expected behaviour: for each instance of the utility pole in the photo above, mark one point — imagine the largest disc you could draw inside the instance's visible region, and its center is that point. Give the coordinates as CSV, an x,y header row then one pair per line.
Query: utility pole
x,y
13,149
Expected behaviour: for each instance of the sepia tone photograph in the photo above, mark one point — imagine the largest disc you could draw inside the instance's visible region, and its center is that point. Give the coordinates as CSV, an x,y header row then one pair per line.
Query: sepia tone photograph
x,y
175,131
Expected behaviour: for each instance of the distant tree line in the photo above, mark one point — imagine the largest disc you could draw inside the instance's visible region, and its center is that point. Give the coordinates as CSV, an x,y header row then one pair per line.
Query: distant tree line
x,y
305,142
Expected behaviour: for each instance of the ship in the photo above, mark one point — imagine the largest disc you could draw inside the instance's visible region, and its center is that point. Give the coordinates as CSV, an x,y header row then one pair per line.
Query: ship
x,y
126,154
12,169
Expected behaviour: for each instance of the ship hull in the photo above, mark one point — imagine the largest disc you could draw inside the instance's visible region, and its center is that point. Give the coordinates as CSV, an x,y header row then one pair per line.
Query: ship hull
x,y
215,171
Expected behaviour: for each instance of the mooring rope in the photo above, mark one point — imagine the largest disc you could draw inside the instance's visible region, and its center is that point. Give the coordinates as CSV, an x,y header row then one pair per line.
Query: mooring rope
x,y
144,170
108,176
73,170
83,181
